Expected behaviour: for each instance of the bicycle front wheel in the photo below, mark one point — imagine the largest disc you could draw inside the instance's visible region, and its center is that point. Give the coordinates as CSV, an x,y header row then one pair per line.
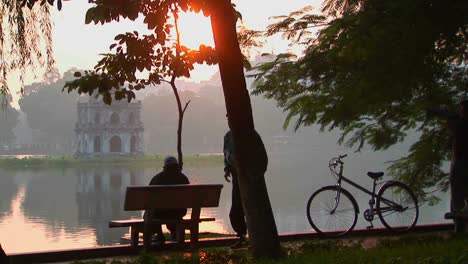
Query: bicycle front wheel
x,y
397,207
332,211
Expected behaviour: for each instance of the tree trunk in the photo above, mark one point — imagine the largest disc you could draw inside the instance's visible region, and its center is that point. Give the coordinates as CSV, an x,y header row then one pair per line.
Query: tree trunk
x,y
261,226
179,123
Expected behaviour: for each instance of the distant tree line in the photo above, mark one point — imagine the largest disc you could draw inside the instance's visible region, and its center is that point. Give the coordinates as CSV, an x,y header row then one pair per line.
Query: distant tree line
x,y
51,114
205,121
9,119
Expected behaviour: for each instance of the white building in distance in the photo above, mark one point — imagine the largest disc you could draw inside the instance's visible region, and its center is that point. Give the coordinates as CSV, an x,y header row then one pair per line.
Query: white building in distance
x,y
108,130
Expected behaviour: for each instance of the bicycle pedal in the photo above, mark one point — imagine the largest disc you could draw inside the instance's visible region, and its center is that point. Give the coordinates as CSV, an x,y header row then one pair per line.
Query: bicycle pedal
x,y
369,227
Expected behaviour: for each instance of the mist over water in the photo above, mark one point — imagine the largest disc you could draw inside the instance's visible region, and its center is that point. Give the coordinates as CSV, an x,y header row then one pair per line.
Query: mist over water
x,y
61,208
71,208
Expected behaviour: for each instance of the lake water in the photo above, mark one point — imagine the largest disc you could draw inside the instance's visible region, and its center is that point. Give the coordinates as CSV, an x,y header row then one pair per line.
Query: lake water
x,y
50,209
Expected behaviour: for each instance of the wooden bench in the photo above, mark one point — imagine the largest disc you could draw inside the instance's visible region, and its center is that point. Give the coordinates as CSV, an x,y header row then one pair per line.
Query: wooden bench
x,y
149,198
458,216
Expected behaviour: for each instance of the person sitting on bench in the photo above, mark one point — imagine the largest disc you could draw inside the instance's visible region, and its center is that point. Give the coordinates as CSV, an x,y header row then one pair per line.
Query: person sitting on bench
x,y
171,175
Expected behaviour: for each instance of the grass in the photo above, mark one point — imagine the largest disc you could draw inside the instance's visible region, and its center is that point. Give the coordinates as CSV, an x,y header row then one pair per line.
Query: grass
x,y
150,160
412,249
202,235
408,249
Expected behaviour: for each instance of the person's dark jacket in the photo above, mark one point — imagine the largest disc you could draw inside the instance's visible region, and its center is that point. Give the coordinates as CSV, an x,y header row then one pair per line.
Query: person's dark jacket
x,y
171,175
229,154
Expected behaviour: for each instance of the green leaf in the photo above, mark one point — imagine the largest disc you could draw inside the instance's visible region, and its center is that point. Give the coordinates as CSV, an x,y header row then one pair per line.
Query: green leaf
x,y
90,14
372,71
107,98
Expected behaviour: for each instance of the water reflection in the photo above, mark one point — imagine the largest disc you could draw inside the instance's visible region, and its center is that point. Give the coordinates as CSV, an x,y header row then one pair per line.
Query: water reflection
x,y
100,196
9,188
49,209
70,208
19,233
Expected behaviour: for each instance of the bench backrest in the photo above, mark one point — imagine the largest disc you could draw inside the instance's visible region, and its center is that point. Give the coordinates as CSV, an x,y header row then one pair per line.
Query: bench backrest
x,y
172,196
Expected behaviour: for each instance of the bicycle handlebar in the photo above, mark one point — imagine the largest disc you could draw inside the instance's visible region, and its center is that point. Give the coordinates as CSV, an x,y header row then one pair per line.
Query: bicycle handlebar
x,y
334,162
338,159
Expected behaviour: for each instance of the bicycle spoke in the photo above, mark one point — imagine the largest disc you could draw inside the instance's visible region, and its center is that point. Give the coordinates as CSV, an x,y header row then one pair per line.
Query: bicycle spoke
x,y
332,208
325,213
397,207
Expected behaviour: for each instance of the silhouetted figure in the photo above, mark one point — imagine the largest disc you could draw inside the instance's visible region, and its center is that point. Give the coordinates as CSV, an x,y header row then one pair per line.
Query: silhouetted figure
x,y
171,175
236,214
459,165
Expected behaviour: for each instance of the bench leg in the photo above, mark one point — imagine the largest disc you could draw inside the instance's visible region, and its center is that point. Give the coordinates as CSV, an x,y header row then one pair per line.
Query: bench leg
x,y
180,233
194,229
194,236
147,230
134,236
463,226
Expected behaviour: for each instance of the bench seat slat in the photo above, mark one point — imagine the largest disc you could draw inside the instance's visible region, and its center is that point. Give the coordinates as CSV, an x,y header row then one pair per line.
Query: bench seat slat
x,y
153,197
135,222
162,196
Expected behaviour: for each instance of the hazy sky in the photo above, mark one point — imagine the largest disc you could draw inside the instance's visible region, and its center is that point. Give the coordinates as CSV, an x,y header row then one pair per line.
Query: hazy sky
x,y
77,45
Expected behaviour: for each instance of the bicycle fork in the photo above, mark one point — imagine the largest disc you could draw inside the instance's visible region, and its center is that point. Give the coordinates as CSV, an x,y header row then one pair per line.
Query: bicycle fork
x,y
337,201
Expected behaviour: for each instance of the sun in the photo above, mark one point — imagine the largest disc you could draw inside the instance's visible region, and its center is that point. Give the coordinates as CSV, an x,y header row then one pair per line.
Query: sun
x,y
89,41
195,30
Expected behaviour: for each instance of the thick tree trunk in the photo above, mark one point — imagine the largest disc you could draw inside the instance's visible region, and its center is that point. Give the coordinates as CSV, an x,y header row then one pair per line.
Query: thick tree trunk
x,y
249,148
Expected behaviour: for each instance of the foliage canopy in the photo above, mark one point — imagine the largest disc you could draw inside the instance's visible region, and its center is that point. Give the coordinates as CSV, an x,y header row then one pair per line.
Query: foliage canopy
x,y
156,54
159,54
372,70
161,59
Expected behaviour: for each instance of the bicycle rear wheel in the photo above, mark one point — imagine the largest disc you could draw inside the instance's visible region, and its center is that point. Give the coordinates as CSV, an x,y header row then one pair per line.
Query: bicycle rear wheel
x,y
332,211
397,207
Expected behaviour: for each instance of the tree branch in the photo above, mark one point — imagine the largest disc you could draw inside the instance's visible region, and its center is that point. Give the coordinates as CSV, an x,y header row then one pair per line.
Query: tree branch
x,y
185,107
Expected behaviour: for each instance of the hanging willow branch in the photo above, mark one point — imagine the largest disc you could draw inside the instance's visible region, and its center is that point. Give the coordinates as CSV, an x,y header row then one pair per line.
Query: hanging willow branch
x,y
25,41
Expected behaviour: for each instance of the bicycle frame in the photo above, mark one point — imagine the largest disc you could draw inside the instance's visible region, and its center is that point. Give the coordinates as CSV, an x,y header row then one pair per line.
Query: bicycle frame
x,y
334,208
357,186
373,194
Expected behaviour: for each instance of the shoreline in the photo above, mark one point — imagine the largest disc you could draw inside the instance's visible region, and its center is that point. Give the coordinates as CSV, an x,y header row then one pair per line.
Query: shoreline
x,y
148,160
73,255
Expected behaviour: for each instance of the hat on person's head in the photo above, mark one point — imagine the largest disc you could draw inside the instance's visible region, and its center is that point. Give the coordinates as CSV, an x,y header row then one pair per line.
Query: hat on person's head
x,y
170,160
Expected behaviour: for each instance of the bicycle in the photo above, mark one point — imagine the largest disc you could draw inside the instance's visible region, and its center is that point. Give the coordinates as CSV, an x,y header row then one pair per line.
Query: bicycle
x,y
332,211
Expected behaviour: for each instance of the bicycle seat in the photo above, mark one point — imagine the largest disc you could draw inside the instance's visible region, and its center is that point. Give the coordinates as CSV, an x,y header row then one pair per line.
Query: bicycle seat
x,y
375,175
